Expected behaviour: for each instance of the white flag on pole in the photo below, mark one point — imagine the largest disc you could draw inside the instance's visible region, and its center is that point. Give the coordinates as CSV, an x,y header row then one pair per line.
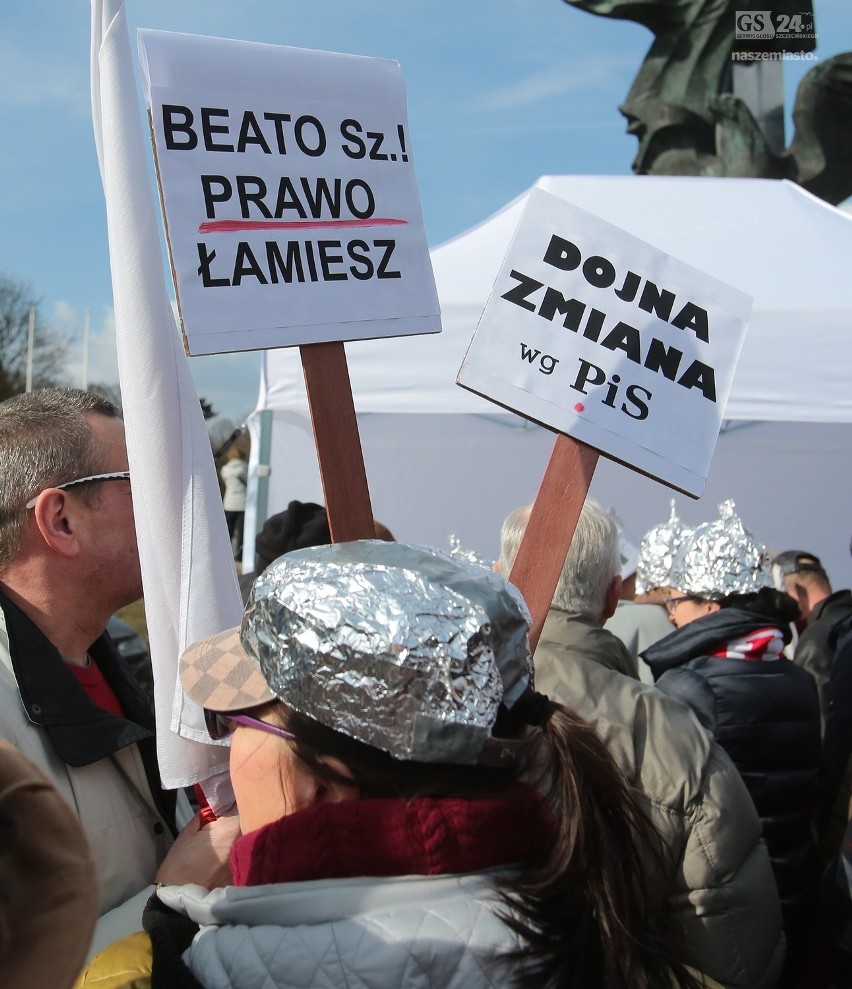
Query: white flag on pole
x,y
187,565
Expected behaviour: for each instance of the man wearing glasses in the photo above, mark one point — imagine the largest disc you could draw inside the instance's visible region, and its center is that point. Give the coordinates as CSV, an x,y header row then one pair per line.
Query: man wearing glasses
x,y
69,560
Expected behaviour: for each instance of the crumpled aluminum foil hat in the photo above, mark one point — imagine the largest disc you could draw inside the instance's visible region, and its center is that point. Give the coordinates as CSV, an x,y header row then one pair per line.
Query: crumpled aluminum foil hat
x,y
461,552
720,558
628,550
657,552
402,647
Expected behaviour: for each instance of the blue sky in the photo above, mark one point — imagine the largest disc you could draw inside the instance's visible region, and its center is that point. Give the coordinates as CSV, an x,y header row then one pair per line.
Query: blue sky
x,y
499,93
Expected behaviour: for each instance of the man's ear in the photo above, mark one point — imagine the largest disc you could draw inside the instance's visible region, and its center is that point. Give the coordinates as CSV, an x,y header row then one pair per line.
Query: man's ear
x,y
613,594
54,518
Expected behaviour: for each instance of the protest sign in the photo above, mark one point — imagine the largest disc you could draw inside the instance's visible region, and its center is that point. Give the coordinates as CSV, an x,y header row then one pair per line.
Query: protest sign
x,y
289,194
600,336
619,348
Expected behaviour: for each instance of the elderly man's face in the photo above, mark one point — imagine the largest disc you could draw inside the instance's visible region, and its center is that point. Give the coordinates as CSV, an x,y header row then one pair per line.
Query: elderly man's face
x,y
110,541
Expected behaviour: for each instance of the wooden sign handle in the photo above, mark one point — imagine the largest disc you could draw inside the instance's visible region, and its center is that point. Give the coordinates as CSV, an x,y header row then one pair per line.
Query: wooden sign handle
x,y
341,460
551,526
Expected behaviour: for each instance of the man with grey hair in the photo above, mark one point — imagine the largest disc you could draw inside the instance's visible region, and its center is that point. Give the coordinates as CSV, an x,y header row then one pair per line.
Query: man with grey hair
x,y
68,560
588,589
723,899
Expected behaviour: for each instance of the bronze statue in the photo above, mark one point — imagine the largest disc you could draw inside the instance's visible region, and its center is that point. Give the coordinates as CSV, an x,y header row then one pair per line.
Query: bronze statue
x,y
688,122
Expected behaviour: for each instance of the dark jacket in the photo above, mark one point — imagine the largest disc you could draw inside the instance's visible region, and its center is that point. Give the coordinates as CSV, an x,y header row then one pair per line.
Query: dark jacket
x,y
837,737
766,717
836,911
815,648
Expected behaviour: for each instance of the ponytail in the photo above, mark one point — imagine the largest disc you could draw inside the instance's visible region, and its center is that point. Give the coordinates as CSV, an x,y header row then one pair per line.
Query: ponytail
x,y
585,908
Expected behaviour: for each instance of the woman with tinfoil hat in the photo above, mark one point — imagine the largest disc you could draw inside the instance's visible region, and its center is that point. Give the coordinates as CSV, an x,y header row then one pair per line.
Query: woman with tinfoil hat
x,y
413,813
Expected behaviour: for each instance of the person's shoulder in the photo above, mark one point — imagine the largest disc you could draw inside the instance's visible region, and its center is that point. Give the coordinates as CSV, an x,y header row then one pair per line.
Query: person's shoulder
x,y
582,637
828,612
841,634
657,740
602,695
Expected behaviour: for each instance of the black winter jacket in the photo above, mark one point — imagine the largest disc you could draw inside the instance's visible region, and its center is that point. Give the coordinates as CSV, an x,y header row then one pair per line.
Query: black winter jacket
x,y
837,737
815,648
766,717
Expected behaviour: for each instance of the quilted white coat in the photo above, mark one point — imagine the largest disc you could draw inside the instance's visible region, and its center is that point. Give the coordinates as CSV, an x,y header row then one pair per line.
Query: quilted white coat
x,y
421,932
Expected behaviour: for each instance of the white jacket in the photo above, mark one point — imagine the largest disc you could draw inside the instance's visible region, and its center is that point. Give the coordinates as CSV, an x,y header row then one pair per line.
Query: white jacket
x,y
421,932
234,474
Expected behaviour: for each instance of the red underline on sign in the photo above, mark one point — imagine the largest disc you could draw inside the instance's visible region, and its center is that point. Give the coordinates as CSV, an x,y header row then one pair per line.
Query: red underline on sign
x,y
229,226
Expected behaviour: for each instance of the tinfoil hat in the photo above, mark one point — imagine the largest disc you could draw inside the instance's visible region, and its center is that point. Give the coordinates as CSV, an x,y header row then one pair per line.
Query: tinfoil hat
x,y
720,558
657,551
404,648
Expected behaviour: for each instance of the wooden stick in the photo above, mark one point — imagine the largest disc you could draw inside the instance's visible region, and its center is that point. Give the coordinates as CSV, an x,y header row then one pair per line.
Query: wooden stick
x,y
341,460
551,526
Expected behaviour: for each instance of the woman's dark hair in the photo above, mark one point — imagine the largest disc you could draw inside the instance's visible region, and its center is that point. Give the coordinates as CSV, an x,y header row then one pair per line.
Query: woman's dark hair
x,y
590,909
775,605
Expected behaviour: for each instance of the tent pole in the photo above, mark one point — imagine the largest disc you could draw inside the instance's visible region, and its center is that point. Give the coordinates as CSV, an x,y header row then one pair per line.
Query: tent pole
x,y
264,468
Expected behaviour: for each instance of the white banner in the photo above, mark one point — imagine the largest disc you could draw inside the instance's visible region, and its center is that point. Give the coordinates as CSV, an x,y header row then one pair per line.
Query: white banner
x,y
187,568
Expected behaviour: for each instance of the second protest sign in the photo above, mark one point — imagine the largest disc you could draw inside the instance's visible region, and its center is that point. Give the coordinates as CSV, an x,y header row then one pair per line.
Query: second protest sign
x,y
606,339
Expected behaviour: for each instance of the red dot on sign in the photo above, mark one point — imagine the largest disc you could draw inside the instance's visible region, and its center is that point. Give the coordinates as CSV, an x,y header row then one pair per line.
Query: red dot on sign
x,y
579,407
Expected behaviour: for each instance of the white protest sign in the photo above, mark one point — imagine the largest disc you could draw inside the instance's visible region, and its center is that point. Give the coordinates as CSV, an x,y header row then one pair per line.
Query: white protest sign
x,y
289,194
600,336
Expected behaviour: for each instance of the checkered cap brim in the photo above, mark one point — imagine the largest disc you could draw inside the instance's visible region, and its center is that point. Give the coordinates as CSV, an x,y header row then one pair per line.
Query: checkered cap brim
x,y
218,674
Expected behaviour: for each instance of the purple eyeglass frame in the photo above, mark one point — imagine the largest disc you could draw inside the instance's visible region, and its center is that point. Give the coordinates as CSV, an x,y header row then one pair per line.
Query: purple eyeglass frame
x,y
220,725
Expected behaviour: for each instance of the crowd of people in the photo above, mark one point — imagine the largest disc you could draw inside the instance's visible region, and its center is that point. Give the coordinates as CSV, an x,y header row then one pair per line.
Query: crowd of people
x,y
659,796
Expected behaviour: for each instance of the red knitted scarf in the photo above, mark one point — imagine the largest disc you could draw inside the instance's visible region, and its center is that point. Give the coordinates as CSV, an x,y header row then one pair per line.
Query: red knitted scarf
x,y
421,836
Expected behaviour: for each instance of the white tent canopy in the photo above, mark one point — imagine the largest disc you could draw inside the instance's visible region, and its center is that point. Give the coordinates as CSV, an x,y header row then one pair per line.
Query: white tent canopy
x,y
441,461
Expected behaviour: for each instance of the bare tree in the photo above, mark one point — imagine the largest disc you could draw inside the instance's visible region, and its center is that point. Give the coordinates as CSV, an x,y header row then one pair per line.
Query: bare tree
x,y
50,346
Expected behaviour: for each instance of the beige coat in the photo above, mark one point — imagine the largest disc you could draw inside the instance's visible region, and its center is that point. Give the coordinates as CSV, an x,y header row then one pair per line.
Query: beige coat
x,y
579,635
725,899
111,797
